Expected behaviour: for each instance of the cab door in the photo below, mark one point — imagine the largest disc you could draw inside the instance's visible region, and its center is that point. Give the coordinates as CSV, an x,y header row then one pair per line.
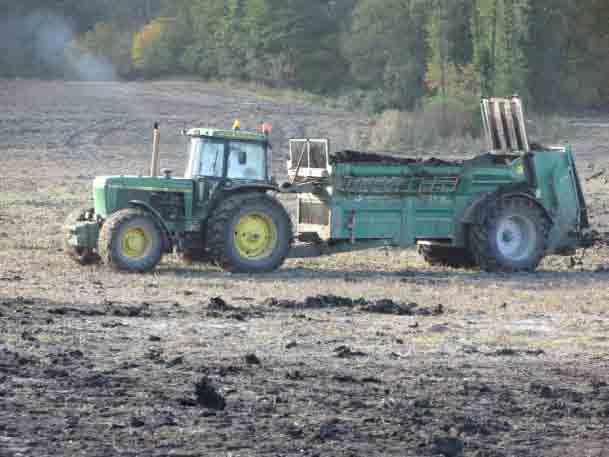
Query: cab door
x,y
206,166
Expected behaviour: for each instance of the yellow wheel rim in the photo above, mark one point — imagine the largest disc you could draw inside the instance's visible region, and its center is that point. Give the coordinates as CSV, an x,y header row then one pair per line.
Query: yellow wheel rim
x,y
135,242
255,236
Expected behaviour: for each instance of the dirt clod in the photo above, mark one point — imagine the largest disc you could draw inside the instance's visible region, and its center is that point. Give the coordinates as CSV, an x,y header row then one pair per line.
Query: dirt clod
x,y
175,362
208,396
56,373
166,419
511,352
217,307
295,375
113,324
252,359
439,328
381,306
141,310
76,312
448,446
387,306
137,422
156,355
330,429
346,352
218,304
315,302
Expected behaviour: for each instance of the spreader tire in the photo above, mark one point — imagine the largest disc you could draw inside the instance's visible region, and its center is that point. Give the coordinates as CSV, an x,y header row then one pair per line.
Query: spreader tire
x,y
130,240
512,237
249,233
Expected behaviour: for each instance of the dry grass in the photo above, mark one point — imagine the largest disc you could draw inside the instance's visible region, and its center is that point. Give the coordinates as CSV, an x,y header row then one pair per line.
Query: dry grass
x,y
427,131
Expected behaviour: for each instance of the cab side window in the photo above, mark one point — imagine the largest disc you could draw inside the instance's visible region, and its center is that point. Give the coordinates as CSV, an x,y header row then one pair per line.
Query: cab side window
x,y
246,161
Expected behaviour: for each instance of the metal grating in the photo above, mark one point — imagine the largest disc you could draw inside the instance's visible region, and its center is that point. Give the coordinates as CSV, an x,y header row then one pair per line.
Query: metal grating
x,y
398,185
504,124
314,213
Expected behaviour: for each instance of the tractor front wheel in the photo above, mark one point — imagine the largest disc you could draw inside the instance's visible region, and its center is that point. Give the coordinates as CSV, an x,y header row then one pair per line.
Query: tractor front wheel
x,y
130,240
81,255
249,233
513,236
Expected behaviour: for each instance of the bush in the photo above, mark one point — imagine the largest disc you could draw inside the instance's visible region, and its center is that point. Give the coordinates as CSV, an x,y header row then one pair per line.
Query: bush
x,y
155,47
454,116
439,126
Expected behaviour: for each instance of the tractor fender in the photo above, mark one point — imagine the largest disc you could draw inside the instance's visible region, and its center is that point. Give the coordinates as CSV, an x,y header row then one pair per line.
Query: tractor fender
x,y
167,238
226,192
474,213
249,187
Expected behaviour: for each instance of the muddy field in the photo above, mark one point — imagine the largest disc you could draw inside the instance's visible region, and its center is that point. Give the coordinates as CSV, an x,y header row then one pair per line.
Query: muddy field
x,y
367,354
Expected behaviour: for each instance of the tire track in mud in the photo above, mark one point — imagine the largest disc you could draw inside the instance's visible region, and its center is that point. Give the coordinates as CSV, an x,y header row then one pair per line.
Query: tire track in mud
x,y
86,142
95,133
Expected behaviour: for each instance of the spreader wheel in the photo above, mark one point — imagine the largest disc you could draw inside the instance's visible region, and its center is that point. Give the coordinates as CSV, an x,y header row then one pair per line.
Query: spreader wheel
x,y
513,236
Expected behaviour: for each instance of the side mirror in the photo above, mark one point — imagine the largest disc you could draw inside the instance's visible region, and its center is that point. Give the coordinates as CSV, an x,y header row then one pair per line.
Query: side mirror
x,y
242,157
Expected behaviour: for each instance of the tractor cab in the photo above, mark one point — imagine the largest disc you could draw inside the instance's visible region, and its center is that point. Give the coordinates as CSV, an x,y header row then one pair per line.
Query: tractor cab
x,y
227,154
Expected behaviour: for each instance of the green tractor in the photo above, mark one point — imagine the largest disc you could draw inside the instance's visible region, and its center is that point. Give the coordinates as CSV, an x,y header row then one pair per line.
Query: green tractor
x,y
500,211
220,211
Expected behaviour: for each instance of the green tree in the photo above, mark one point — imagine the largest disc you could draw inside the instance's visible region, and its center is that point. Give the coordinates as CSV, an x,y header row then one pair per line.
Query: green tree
x,y
451,79
300,40
500,30
386,47
155,47
204,19
569,54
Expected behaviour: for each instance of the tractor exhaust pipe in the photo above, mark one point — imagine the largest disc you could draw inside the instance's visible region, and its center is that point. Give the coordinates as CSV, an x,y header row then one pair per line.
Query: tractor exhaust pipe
x,y
156,142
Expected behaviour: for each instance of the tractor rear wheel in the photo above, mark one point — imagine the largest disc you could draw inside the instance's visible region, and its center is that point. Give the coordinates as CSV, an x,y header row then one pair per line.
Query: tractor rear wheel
x,y
249,233
83,256
131,240
447,257
513,236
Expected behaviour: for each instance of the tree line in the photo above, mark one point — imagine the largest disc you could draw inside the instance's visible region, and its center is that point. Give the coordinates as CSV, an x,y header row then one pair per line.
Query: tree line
x,y
377,54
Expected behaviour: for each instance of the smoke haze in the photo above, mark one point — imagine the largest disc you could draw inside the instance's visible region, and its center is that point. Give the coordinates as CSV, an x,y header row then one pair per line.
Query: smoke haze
x,y
40,44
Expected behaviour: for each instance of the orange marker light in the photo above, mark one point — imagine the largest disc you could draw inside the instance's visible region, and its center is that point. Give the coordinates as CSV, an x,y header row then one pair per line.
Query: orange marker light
x,y
267,128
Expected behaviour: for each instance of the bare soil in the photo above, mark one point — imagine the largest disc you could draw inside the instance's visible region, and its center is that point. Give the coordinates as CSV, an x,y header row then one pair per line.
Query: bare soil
x,y
360,354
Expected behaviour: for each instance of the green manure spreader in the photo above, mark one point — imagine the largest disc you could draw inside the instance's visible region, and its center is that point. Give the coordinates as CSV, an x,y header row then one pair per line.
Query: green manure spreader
x,y
503,210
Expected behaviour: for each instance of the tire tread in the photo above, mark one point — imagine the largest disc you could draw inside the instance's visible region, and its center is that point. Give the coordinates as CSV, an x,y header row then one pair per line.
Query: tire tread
x,y
109,229
479,241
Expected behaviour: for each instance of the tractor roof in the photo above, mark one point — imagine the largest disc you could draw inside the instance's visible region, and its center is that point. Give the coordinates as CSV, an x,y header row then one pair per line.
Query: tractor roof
x,y
227,134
